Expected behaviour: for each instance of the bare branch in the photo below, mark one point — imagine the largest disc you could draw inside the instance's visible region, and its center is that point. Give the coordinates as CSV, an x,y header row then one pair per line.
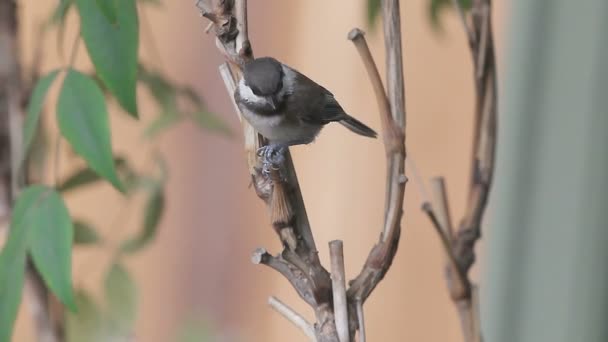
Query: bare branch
x,y
242,40
394,60
470,36
293,317
458,284
461,246
336,256
296,276
357,36
360,319
382,254
224,69
441,205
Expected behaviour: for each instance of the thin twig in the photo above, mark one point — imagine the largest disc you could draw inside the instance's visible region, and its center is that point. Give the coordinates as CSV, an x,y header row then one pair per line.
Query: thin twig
x,y
441,205
382,254
293,317
209,27
360,319
296,277
460,285
338,279
357,36
458,6
226,75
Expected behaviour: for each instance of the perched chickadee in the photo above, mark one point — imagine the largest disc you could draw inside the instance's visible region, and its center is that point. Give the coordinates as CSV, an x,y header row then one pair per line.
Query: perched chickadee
x,y
287,107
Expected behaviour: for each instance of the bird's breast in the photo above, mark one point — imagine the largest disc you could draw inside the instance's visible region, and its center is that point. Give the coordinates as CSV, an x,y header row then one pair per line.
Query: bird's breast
x,y
281,128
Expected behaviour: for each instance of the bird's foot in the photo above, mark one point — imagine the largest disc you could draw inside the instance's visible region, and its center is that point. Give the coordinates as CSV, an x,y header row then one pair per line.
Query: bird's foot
x,y
273,158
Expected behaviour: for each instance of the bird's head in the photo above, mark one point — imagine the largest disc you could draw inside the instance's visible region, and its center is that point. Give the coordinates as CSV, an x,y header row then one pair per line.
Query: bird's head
x,y
263,84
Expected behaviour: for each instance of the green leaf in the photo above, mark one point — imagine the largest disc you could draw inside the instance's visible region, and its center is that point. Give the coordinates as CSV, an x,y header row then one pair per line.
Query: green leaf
x,y
162,91
87,176
40,211
153,212
34,109
162,123
152,2
201,116
210,121
166,94
113,48
85,234
195,330
437,7
373,11
87,324
12,274
121,296
108,8
83,121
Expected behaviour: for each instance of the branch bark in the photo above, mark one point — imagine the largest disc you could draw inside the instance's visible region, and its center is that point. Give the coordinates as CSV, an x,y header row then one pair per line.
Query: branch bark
x,y
336,257
382,254
292,316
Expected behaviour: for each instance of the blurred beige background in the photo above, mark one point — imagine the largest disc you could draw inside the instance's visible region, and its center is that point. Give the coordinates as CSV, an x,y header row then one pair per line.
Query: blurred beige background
x,y
199,268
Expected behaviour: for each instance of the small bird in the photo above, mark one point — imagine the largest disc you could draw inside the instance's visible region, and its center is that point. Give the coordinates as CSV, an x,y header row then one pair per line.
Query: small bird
x,y
287,108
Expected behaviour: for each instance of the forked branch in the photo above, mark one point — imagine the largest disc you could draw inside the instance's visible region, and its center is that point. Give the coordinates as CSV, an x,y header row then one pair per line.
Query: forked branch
x,y
477,26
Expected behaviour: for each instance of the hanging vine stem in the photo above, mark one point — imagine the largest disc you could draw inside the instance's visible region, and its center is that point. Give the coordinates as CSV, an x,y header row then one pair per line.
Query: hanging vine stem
x,y
13,91
299,261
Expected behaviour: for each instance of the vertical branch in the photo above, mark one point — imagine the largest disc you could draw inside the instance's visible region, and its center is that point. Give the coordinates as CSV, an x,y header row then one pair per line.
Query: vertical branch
x,y
360,319
299,261
381,256
11,149
462,243
394,60
336,257
441,205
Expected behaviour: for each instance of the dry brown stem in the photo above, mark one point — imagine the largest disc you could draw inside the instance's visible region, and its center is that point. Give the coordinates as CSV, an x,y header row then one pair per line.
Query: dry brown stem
x,y
461,246
381,256
292,316
338,278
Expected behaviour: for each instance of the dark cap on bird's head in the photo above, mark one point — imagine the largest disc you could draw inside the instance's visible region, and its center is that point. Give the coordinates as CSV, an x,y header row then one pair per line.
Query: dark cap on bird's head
x,y
264,76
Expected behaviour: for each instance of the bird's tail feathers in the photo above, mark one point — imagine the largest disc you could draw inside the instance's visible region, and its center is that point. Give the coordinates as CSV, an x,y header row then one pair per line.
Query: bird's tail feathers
x,y
358,127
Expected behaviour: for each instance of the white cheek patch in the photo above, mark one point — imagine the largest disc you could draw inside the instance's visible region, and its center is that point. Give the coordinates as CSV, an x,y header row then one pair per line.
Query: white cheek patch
x,y
247,94
289,81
